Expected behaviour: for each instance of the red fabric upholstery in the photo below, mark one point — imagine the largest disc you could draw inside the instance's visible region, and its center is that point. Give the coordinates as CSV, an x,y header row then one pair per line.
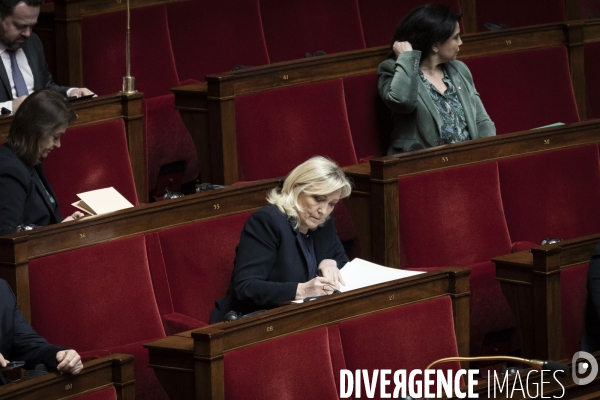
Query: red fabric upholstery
x,y
293,367
167,140
152,62
452,217
488,309
369,118
293,28
526,89
551,194
589,9
212,36
90,157
380,19
279,129
346,230
108,393
592,79
516,13
401,338
573,292
104,292
198,260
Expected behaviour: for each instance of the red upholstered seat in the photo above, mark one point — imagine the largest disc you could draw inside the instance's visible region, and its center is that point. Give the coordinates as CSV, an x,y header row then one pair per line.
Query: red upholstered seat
x,y
153,66
90,157
369,118
293,28
293,367
592,79
518,98
192,264
455,217
99,298
380,19
455,212
279,129
213,36
516,13
573,291
551,194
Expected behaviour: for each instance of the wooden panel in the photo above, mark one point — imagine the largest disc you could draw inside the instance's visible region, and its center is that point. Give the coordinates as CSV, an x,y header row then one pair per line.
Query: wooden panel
x,y
113,370
531,283
171,356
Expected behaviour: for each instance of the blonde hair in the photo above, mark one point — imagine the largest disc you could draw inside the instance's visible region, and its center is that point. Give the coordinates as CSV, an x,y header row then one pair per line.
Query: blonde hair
x,y
316,176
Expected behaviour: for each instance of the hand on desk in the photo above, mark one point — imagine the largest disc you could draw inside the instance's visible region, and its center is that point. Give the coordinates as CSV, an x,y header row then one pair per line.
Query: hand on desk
x,y
74,216
69,361
79,92
328,269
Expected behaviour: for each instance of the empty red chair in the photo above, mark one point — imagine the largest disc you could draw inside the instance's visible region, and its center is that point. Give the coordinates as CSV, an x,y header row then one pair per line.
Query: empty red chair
x,y
90,157
191,268
551,194
294,28
592,80
369,118
99,298
515,13
454,217
213,36
379,20
279,129
518,98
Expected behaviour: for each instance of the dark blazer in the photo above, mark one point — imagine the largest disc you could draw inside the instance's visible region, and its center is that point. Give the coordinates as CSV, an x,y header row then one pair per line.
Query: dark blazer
x,y
42,79
269,262
23,199
18,340
591,333
416,120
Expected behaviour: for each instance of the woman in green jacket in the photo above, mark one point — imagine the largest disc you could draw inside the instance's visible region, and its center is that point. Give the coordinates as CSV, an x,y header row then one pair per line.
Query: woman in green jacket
x,y
431,94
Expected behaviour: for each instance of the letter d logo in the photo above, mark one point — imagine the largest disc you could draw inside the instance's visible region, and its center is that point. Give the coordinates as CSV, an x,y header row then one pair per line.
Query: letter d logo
x,y
584,367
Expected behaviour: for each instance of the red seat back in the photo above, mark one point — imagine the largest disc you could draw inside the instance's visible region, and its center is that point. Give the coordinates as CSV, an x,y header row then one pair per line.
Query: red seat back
x,y
90,157
592,79
279,129
103,51
294,28
452,216
379,20
213,36
518,97
515,13
196,263
552,194
369,118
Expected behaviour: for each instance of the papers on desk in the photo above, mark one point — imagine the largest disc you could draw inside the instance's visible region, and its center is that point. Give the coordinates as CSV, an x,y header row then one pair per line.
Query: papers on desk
x,y
359,273
101,201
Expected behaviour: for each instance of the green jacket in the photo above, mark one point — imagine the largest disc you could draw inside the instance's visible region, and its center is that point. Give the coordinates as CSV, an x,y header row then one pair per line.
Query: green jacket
x,y
415,117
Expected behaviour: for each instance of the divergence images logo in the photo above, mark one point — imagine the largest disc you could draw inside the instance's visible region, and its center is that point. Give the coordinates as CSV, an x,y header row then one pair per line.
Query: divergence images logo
x,y
588,365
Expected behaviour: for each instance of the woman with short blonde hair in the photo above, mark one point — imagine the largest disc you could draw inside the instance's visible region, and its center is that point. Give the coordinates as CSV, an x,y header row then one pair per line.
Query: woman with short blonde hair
x,y
289,249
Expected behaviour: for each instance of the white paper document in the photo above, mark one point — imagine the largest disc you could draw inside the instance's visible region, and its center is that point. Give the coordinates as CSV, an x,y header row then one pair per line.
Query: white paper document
x,y
359,273
102,201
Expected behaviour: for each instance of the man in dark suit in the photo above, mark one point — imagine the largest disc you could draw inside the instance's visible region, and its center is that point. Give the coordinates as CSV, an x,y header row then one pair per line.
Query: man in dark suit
x,y
23,68
19,342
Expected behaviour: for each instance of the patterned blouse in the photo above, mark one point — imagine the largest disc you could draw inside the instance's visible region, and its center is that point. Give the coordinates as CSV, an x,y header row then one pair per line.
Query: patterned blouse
x,y
451,112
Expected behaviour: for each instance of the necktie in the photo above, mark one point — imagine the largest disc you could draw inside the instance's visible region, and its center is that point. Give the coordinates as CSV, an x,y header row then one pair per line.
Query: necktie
x,y
20,85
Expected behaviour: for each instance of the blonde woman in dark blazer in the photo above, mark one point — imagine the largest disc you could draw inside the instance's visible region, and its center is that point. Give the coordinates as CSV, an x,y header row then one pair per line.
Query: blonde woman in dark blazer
x,y
431,95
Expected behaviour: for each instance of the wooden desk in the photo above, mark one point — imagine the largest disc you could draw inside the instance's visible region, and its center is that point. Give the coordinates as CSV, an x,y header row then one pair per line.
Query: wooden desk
x,y
190,365
376,184
532,286
17,249
113,370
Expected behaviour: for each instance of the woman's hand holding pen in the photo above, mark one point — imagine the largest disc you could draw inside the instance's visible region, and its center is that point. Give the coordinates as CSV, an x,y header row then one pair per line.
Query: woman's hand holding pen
x,y
319,286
